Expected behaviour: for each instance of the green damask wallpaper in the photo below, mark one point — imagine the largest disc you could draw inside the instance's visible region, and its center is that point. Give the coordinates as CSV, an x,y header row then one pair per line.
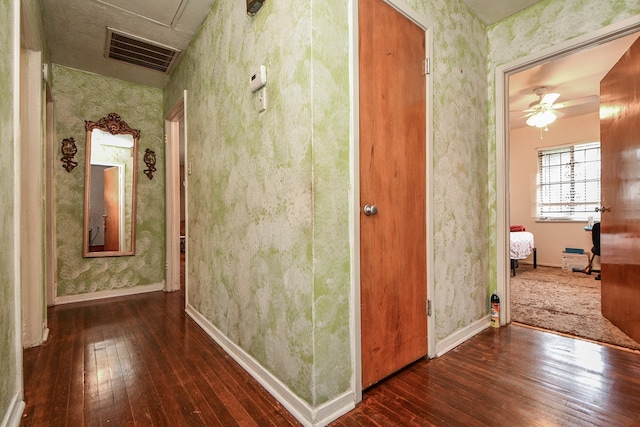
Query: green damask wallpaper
x,y
8,285
459,169
329,66
81,96
250,201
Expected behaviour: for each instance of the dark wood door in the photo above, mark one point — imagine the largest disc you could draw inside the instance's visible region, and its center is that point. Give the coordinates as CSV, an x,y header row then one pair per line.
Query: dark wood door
x,y
111,209
393,178
620,224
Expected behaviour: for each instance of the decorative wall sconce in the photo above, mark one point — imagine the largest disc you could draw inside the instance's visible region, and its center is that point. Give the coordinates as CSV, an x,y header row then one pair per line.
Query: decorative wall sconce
x,y
150,161
69,150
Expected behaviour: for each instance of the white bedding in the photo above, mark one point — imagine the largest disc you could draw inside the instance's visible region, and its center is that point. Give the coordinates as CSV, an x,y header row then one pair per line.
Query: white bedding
x,y
521,244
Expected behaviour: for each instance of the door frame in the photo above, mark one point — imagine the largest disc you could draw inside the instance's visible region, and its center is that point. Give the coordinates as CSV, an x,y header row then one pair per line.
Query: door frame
x,y
32,207
172,195
502,73
354,217
50,198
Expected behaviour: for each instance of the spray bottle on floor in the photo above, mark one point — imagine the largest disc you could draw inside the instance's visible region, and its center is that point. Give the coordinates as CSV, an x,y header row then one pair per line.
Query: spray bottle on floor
x,y
495,311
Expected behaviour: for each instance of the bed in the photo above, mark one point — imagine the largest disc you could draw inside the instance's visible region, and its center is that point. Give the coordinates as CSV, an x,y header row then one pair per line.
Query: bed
x,y
521,245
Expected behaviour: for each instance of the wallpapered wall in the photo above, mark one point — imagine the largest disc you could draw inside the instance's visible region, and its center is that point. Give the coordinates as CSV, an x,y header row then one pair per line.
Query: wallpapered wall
x,y
546,24
250,201
8,286
459,169
81,96
268,257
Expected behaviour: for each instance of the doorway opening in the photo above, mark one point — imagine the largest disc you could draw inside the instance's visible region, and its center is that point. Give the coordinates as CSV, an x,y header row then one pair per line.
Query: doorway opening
x,y
176,188
518,144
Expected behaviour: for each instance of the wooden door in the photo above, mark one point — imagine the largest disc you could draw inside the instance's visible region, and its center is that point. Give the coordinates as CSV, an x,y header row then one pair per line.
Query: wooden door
x,y
111,209
393,178
620,223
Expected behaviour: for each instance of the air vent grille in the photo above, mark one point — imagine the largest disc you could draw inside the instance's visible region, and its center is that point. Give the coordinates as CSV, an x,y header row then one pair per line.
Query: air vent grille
x,y
137,51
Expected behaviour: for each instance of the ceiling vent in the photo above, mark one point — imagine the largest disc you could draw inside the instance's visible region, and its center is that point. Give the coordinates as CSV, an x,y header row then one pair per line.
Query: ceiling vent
x,y
141,52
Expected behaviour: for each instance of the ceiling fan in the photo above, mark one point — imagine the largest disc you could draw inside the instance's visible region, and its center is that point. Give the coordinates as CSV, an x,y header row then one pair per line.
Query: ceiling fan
x,y
543,112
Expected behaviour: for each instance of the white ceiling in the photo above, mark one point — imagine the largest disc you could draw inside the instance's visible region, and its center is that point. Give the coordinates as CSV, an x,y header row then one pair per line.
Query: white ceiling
x,y
574,77
76,31
492,11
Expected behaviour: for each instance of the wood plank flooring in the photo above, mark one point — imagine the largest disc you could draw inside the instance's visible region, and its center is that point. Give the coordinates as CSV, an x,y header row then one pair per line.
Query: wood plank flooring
x,y
140,361
514,376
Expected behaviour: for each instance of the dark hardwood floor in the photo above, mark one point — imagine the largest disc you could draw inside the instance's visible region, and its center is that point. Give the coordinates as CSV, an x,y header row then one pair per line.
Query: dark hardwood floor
x,y
512,376
139,360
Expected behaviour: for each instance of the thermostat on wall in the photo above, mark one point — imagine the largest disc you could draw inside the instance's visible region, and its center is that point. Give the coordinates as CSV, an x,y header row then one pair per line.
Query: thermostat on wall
x,y
258,79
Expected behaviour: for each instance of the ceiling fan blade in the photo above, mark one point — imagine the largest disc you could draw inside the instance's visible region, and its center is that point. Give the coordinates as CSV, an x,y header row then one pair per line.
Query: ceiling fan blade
x,y
592,99
549,98
516,115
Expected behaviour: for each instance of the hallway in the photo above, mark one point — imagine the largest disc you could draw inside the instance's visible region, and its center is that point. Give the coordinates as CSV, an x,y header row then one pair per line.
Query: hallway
x,y
139,360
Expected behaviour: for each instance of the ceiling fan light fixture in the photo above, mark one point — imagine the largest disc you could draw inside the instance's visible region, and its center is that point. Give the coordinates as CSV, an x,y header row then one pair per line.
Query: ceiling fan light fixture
x,y
541,119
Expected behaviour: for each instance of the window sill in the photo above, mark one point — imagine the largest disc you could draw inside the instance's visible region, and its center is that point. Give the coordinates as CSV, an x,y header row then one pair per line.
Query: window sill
x,y
554,220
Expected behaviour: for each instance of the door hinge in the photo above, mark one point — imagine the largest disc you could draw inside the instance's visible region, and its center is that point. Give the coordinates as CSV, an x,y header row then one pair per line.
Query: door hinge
x,y
428,307
426,67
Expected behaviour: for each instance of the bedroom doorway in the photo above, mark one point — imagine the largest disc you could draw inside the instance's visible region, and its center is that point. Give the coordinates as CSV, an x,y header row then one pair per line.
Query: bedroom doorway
x,y
578,123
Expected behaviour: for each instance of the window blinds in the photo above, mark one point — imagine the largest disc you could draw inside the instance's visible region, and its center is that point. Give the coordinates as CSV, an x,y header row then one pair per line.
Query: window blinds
x,y
569,182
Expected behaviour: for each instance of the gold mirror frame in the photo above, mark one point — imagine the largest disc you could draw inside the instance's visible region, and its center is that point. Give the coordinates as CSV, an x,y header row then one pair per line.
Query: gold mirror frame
x,y
122,241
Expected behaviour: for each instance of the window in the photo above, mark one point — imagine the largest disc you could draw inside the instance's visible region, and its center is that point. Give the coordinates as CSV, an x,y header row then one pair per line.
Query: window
x,y
569,182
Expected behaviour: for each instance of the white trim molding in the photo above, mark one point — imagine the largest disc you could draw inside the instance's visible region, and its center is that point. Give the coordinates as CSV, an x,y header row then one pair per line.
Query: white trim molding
x,y
307,414
13,415
16,407
461,335
112,293
172,143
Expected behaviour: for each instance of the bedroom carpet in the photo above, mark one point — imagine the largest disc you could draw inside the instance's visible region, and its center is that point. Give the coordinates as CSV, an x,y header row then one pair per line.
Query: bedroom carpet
x,y
563,301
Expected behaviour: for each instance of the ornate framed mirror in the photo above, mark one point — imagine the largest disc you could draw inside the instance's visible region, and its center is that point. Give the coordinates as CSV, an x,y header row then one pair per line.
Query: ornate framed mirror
x,y
110,188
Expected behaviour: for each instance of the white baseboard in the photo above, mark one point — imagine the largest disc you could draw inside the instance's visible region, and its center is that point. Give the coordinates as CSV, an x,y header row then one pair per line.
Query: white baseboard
x,y
460,336
331,410
305,413
68,299
13,415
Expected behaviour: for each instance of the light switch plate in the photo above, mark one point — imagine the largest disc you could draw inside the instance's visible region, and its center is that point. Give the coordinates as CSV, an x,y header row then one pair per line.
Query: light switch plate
x,y
261,99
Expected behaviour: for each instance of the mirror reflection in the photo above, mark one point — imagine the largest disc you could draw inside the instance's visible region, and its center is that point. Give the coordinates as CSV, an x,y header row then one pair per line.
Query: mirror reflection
x,y
110,187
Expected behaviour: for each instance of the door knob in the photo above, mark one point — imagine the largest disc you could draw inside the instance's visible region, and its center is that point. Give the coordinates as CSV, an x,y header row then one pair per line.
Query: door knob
x,y
603,209
370,210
